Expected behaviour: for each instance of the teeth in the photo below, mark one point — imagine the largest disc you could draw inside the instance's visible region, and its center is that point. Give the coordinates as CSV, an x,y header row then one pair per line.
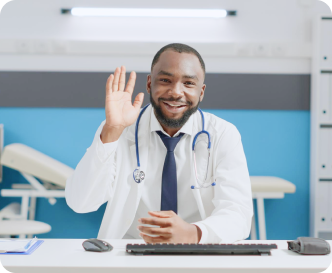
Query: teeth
x,y
173,105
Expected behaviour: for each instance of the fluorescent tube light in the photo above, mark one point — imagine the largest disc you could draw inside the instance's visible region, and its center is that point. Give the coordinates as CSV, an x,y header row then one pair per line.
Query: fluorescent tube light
x,y
124,12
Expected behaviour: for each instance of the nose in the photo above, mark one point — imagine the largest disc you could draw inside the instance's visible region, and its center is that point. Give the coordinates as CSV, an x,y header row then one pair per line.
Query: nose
x,y
176,90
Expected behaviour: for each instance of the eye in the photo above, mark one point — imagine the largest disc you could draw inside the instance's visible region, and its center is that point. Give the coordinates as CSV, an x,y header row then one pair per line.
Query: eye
x,y
189,83
164,80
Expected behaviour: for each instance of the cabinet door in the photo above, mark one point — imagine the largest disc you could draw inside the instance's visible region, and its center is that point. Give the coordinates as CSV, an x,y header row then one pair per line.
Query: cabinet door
x,y
325,94
324,206
325,153
326,42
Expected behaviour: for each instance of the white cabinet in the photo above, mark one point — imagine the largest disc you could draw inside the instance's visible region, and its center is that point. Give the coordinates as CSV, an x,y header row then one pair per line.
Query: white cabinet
x,y
321,130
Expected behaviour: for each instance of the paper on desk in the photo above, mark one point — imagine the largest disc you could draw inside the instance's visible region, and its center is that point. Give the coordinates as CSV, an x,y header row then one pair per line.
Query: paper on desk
x,y
16,245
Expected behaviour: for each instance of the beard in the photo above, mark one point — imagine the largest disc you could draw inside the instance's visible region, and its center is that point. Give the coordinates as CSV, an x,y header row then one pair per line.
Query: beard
x,y
168,122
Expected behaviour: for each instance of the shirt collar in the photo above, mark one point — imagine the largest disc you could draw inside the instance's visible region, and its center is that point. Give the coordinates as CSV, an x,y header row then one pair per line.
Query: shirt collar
x,y
187,128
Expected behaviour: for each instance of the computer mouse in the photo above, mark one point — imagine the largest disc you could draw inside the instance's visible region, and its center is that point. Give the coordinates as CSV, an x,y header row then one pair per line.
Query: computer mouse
x,y
97,245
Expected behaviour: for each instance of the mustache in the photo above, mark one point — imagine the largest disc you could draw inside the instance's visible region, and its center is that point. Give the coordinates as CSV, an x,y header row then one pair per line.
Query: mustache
x,y
177,100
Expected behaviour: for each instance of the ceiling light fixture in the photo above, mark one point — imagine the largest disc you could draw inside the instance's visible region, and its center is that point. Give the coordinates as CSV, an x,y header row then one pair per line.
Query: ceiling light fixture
x,y
124,12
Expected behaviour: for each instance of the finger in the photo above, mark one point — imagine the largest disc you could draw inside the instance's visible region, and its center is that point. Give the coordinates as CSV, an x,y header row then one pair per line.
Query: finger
x,y
138,101
122,80
153,240
155,231
109,83
162,214
116,80
131,82
162,222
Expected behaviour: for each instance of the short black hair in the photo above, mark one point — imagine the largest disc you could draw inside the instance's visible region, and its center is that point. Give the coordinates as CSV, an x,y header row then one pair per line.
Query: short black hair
x,y
178,48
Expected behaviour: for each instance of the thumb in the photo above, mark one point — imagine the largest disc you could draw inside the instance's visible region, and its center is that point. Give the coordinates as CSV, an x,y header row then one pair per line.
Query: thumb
x,y
138,101
161,214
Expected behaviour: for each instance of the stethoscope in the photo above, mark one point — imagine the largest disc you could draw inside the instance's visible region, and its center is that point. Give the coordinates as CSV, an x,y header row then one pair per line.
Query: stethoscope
x,y
139,175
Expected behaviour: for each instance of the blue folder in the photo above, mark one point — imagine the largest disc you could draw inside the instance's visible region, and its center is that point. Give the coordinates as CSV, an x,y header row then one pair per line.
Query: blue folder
x,y
32,249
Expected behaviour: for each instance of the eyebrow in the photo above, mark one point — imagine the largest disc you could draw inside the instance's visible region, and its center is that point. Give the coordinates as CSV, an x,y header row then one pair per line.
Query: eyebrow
x,y
162,72
194,77
165,73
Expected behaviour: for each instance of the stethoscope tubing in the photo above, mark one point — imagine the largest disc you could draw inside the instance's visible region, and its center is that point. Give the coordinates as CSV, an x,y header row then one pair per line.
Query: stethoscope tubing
x,y
136,134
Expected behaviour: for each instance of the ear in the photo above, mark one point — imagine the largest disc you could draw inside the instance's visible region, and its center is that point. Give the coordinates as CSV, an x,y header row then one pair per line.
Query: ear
x,y
148,83
202,93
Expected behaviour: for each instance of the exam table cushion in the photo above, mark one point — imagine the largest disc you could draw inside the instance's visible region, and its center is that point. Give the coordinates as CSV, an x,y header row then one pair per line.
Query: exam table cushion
x,y
28,160
271,184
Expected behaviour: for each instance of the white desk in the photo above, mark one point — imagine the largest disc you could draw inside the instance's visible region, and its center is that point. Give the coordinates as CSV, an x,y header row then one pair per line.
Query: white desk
x,y
68,256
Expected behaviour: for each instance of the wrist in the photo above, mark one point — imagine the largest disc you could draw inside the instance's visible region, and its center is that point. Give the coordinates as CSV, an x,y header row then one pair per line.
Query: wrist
x,y
110,134
198,234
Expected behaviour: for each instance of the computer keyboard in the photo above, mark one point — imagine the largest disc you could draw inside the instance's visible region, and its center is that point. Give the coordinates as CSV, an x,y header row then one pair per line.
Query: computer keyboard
x,y
200,249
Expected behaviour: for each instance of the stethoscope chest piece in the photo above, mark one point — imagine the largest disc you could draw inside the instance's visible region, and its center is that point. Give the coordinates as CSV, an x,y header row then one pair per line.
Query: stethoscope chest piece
x,y
139,175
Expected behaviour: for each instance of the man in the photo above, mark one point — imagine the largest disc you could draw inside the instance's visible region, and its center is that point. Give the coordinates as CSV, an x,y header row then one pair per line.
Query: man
x,y
163,208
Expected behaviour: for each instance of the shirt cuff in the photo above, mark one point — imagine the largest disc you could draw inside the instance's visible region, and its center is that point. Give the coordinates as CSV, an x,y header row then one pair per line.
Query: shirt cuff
x,y
204,231
105,150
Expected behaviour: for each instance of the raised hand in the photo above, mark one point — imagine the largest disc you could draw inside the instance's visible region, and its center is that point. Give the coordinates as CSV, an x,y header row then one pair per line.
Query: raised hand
x,y
120,112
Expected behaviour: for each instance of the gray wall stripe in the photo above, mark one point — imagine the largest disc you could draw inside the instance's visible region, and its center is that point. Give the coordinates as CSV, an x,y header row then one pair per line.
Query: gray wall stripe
x,y
87,89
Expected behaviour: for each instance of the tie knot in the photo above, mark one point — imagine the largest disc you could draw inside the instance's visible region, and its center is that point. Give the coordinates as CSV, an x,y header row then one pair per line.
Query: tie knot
x,y
169,142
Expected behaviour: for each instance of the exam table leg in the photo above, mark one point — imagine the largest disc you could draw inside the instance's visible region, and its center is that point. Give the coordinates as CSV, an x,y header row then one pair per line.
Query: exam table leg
x,y
253,232
24,211
32,211
261,218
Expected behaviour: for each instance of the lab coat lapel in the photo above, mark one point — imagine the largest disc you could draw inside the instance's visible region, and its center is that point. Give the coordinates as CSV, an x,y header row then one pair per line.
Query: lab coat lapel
x,y
196,192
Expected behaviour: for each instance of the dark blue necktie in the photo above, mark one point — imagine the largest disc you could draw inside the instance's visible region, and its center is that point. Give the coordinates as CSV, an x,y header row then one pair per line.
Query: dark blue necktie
x,y
169,188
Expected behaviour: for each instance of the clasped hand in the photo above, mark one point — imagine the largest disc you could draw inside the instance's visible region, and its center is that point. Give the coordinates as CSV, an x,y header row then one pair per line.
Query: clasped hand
x,y
172,229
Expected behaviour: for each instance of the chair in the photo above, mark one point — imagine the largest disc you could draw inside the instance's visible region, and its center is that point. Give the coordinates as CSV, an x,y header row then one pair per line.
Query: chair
x,y
11,223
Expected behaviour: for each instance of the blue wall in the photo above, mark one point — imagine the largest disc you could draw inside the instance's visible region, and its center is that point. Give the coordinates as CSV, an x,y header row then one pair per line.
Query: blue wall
x,y
276,143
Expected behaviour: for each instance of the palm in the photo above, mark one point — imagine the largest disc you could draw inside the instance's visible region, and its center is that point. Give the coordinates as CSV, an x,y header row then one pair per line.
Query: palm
x,y
119,110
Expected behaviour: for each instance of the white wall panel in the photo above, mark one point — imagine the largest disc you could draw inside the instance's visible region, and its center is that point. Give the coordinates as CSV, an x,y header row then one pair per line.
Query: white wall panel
x,y
277,25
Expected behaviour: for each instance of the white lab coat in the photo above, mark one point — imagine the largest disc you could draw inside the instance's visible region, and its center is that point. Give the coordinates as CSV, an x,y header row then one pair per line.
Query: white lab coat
x,y
226,209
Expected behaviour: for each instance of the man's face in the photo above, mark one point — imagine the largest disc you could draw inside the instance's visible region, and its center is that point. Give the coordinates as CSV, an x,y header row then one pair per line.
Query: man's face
x,y
176,86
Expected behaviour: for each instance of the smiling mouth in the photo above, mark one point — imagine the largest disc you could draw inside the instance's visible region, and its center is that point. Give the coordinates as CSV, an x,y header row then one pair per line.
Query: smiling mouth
x,y
176,106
